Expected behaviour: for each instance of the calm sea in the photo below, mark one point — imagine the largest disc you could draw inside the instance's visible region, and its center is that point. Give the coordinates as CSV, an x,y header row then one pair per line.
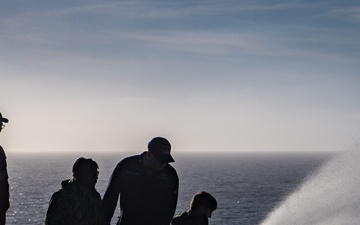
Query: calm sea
x,y
246,186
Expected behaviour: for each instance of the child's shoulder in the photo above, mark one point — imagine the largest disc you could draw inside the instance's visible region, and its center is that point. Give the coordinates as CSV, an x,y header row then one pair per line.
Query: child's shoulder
x,y
186,218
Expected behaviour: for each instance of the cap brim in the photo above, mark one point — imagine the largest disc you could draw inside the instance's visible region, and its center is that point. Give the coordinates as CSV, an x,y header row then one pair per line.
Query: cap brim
x,y
171,159
165,159
4,120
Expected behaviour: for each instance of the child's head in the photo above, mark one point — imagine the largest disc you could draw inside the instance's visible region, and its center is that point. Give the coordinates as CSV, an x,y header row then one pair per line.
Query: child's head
x,y
203,204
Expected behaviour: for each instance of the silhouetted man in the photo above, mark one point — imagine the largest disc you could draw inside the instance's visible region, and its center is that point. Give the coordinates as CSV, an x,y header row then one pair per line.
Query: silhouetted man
x,y
4,184
78,202
147,185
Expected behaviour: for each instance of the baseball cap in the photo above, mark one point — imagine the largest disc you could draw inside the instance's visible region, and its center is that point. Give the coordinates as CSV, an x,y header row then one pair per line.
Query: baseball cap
x,y
160,148
3,119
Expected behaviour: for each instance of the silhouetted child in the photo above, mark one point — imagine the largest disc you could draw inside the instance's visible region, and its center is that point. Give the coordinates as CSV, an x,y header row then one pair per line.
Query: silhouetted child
x,y
201,207
77,202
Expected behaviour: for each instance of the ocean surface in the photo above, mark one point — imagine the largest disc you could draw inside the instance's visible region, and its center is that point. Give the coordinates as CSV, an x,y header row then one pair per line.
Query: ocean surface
x,y
247,186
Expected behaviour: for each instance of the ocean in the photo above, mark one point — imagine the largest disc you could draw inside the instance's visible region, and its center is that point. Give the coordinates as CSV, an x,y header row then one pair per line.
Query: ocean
x,y
247,186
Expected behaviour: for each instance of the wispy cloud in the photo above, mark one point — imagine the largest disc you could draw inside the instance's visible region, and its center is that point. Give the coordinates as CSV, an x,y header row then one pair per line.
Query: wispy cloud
x,y
347,13
170,25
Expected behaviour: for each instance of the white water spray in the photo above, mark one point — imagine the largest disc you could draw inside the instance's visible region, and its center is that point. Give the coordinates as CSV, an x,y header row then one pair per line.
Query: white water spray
x,y
329,197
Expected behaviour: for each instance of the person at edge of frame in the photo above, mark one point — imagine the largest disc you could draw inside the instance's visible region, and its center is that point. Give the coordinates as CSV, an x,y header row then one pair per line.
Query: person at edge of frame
x,y
4,183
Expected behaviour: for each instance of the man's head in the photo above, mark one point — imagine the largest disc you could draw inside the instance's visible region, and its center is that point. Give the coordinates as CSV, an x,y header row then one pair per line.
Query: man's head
x,y
86,172
203,203
160,148
2,121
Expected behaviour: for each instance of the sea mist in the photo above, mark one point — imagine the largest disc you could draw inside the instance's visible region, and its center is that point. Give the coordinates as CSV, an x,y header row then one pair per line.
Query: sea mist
x,y
329,197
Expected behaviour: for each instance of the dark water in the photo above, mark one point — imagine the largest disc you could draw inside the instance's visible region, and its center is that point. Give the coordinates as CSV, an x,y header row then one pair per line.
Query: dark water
x,y
246,186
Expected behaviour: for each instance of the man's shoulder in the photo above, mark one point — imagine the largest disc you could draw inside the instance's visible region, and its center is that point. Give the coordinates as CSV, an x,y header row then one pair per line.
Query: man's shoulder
x,y
131,158
135,159
128,163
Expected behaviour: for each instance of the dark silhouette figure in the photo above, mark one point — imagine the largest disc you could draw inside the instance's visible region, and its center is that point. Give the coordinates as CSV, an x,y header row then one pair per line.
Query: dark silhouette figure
x,y
147,185
4,183
202,205
78,202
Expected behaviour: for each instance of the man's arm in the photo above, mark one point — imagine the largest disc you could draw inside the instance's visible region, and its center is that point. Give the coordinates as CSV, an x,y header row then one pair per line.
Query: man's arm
x,y
173,203
111,195
172,198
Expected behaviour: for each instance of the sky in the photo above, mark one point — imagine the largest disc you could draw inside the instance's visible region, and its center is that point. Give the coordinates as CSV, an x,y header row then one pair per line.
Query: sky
x,y
215,75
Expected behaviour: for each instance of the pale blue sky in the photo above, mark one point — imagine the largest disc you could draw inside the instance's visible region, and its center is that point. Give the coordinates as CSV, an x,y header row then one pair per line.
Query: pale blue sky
x,y
208,75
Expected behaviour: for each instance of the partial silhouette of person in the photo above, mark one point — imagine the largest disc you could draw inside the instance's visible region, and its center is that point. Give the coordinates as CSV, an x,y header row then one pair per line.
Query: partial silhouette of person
x,y
77,202
202,206
147,185
4,183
